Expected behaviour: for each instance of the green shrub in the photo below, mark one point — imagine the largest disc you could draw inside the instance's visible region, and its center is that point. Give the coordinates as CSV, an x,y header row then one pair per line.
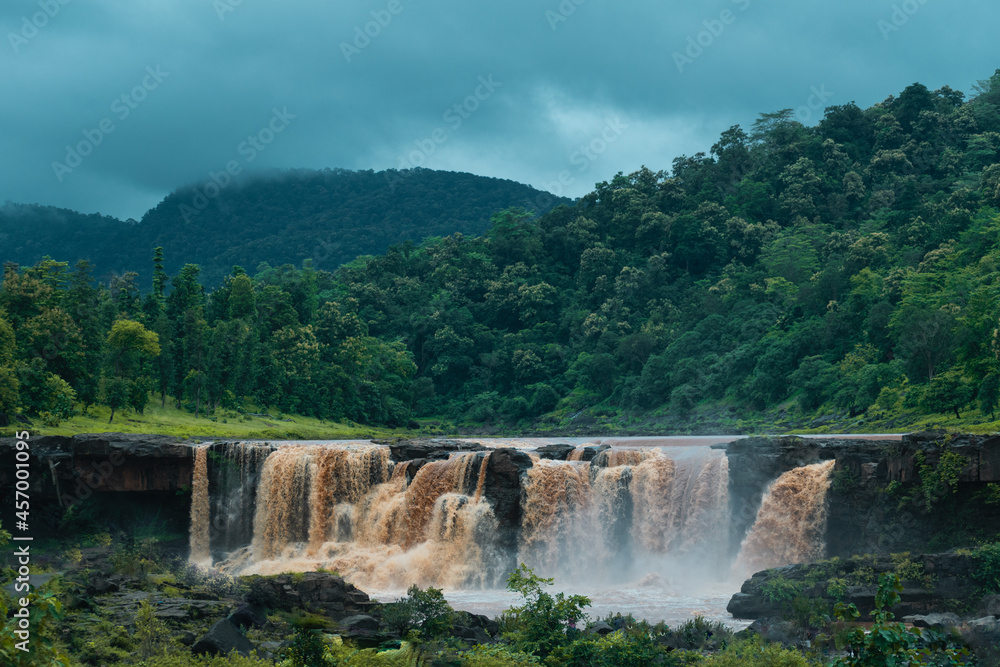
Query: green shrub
x,y
496,655
424,609
887,644
542,619
44,611
307,649
259,594
400,616
754,653
987,574
780,589
616,649
186,659
936,481
149,632
697,633
836,589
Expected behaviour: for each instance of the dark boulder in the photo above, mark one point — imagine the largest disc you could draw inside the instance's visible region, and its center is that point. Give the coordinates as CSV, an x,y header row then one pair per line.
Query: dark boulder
x,y
989,606
222,638
775,630
590,453
101,585
982,632
317,592
471,635
248,616
361,623
362,630
944,621
433,450
600,628
556,452
743,605
955,570
503,490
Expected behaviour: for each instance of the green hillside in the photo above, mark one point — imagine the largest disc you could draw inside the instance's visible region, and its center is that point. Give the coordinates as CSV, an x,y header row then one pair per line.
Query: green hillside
x,y
845,274
330,216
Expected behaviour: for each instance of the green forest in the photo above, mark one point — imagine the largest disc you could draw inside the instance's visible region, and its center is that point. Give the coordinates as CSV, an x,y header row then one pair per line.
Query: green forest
x,y
849,269
329,216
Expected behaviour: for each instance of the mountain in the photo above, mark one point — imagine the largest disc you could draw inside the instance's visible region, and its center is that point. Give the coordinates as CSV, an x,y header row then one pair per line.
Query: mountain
x,y
330,216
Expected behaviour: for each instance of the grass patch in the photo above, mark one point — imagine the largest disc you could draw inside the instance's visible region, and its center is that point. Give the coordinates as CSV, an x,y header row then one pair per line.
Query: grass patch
x,y
183,424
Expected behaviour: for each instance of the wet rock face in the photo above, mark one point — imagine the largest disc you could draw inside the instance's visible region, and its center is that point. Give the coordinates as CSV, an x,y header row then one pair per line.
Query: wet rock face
x,y
753,464
318,593
504,491
981,451
106,462
555,452
860,519
432,450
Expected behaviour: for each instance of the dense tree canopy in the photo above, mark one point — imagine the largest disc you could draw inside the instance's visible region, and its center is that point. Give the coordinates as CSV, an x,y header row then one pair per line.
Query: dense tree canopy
x,y
850,266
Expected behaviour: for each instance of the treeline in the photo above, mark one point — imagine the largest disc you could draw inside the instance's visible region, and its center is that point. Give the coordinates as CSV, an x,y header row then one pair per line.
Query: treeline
x,y
282,339
851,266
330,216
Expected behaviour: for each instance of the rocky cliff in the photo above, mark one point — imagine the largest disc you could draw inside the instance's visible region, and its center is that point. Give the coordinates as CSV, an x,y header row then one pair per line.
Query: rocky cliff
x,y
922,492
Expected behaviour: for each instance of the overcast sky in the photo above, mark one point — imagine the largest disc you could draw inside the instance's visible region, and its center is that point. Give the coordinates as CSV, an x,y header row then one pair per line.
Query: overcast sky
x,y
148,95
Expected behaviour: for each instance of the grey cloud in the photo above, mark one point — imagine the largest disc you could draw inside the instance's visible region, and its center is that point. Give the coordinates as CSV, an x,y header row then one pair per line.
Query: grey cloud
x,y
559,86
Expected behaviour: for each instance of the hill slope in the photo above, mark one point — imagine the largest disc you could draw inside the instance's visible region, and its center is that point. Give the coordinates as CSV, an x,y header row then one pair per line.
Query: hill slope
x,y
330,216
845,273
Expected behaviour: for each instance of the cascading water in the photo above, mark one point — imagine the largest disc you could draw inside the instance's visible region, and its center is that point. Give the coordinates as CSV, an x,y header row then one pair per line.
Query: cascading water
x,y
234,472
790,523
200,529
347,508
652,519
624,511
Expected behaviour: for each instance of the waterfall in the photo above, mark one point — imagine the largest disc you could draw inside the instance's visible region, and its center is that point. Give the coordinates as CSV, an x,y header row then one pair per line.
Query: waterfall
x,y
347,508
200,529
558,518
790,522
598,519
608,516
234,471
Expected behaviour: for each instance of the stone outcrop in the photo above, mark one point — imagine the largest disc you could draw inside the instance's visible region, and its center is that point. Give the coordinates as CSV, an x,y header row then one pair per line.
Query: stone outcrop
x,y
555,452
435,449
316,592
935,583
981,451
756,462
105,462
861,518
504,490
222,638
